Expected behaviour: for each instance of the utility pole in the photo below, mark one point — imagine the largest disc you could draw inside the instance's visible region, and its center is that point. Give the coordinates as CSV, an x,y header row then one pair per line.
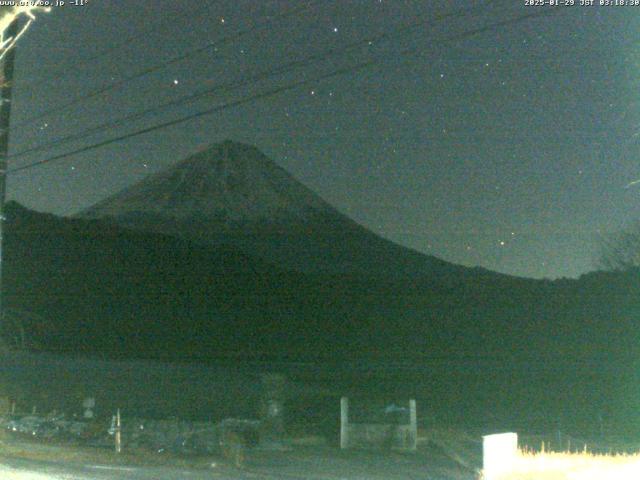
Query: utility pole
x,y
6,90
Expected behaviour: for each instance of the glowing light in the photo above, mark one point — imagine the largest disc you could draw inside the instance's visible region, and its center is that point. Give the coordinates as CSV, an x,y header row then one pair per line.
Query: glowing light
x,y
503,460
499,454
8,15
578,466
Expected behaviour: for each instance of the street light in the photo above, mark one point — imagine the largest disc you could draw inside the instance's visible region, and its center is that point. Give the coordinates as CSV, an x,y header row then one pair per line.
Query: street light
x,y
9,15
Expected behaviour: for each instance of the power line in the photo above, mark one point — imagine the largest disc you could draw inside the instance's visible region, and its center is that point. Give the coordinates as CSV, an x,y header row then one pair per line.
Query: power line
x,y
268,93
160,66
493,26
114,48
258,96
202,113
233,85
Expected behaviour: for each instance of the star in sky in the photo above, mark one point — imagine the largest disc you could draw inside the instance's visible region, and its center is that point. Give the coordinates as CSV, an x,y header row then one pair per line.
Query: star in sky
x,y
463,133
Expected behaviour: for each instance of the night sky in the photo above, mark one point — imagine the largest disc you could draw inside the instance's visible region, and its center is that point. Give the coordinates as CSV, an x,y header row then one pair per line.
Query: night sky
x,y
509,148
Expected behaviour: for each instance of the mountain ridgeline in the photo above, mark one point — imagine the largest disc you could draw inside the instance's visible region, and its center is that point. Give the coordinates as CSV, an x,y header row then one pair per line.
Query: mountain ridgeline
x,y
98,287
225,254
232,194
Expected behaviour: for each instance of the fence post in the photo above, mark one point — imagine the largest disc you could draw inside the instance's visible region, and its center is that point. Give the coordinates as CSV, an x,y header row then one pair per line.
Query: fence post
x,y
413,425
272,402
5,405
499,454
88,404
344,422
118,433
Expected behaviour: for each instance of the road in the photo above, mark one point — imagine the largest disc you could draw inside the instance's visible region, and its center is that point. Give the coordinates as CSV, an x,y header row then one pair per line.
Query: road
x,y
299,463
316,465
18,469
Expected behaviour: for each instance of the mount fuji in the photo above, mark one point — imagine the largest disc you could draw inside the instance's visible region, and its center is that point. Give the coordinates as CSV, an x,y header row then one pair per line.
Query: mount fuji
x,y
231,193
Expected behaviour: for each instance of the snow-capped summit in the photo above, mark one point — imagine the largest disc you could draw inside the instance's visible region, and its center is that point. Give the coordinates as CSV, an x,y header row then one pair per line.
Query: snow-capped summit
x,y
229,182
231,193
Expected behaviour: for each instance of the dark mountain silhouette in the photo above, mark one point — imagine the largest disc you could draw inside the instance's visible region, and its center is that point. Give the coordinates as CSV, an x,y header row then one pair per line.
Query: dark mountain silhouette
x,y
103,288
513,345
226,253
227,256
233,194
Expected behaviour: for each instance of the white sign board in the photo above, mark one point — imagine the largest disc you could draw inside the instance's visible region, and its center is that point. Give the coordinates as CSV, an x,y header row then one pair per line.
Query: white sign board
x,y
499,453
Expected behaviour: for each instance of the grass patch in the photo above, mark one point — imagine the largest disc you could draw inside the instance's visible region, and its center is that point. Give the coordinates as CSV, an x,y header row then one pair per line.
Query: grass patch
x,y
29,450
572,466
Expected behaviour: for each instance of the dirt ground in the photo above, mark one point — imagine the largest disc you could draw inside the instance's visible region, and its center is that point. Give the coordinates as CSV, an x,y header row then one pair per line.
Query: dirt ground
x,y
314,462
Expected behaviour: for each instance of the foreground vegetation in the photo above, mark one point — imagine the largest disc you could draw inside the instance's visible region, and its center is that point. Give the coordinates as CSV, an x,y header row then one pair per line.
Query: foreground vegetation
x,y
573,466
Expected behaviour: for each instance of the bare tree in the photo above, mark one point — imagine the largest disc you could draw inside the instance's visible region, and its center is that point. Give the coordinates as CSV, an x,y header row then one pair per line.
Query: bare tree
x,y
620,251
21,328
